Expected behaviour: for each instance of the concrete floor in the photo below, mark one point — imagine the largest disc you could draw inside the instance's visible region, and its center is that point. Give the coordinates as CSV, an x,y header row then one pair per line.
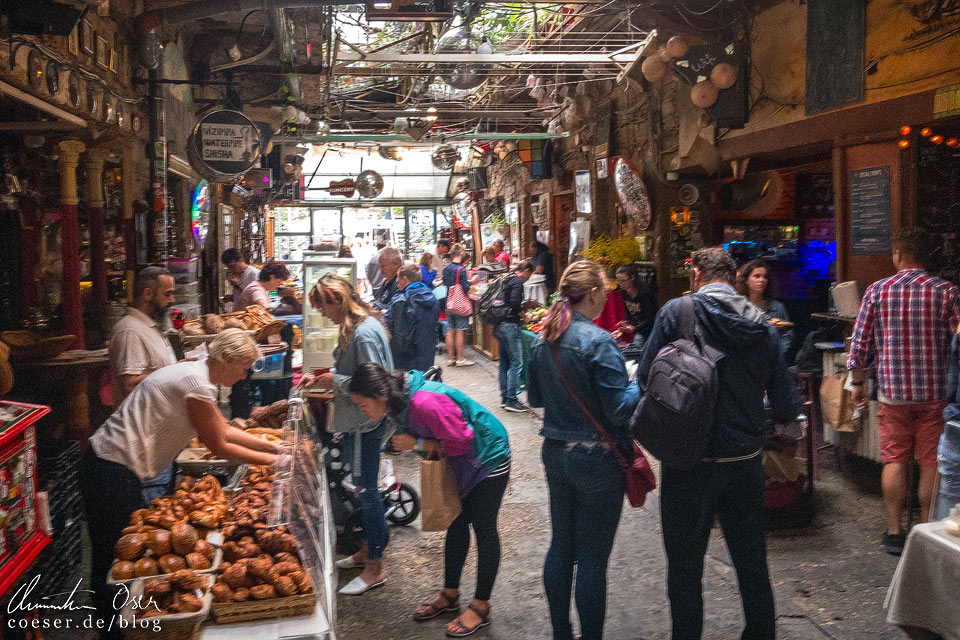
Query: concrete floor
x,y
829,579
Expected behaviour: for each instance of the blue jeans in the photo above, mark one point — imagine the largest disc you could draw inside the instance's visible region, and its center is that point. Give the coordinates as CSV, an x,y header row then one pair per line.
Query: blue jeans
x,y
586,498
511,359
374,525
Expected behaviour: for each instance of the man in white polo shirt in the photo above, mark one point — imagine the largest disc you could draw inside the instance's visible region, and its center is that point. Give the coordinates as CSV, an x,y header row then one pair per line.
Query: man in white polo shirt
x,y
138,348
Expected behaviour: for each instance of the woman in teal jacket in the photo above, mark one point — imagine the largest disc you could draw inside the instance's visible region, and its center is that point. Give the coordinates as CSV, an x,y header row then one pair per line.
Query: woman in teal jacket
x,y
435,417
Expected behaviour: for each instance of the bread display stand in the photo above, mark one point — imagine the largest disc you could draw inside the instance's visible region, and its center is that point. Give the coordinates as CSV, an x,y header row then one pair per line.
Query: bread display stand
x,y
311,615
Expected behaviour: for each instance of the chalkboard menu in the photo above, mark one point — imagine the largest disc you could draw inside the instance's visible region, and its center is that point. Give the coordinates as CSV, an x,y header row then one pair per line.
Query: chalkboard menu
x,y
870,210
836,35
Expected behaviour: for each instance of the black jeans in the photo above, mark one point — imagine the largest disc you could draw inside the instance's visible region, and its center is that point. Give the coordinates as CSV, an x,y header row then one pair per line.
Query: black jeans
x,y
479,508
111,492
586,499
690,500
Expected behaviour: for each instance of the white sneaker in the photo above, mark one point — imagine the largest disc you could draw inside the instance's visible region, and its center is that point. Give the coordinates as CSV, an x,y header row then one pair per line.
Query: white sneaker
x,y
465,363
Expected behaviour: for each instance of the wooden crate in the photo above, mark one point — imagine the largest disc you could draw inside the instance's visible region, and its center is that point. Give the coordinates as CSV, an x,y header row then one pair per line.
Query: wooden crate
x,y
299,605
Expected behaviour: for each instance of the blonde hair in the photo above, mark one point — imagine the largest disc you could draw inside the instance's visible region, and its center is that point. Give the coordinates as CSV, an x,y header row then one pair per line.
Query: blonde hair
x,y
333,290
579,279
236,344
456,250
426,259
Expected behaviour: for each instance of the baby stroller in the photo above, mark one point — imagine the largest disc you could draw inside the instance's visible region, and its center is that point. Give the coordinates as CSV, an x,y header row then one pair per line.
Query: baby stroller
x,y
401,501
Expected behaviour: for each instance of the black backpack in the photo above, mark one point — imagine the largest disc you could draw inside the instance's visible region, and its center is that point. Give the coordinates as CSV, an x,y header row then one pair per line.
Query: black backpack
x,y
674,420
493,307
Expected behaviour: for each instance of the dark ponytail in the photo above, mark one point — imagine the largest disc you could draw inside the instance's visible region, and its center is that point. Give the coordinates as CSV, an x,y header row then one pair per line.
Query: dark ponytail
x,y
373,381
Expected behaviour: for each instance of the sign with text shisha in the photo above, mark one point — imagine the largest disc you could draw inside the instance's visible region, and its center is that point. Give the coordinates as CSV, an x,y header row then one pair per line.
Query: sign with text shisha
x,y
225,143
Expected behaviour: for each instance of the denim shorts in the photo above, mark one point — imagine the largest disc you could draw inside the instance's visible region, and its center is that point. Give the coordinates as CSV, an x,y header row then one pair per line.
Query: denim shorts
x,y
461,323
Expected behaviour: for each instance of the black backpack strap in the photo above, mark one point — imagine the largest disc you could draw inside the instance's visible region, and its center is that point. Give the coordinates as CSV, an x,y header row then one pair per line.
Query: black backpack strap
x,y
688,319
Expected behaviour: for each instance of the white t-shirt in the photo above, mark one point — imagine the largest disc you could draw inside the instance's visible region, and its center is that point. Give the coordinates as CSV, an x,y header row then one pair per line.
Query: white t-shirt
x,y
152,426
249,274
136,347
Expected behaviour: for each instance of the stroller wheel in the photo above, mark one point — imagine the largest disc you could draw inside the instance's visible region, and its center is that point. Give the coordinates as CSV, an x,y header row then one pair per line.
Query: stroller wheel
x,y
407,503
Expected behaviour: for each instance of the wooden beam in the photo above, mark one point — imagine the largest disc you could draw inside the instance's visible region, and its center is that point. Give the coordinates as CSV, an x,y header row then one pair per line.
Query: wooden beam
x,y
852,125
33,126
42,105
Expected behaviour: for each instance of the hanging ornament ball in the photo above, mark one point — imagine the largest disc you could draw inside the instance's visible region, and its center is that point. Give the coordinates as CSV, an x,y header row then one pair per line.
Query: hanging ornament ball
x,y
369,184
664,55
653,69
723,75
444,157
677,47
704,94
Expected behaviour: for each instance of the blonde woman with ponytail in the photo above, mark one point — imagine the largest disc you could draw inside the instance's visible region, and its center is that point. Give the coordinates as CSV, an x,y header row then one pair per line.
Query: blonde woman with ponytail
x,y
363,339
586,483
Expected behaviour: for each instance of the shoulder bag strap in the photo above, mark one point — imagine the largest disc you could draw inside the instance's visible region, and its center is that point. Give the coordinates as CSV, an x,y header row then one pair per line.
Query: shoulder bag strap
x,y
614,448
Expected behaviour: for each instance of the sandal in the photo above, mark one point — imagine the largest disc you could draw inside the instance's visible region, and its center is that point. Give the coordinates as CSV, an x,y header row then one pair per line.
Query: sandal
x,y
429,611
457,629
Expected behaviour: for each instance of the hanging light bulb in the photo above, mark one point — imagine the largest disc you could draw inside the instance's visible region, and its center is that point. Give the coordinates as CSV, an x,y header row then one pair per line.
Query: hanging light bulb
x,y
431,114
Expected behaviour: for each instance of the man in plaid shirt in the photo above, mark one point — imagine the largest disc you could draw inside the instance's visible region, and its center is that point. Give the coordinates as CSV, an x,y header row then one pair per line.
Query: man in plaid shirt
x,y
903,331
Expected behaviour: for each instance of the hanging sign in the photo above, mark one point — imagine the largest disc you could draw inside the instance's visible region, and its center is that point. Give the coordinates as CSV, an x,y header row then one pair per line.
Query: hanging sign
x,y
345,188
225,144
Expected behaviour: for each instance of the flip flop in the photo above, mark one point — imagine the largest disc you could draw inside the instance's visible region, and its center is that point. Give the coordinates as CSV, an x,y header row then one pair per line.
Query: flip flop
x,y
432,611
457,629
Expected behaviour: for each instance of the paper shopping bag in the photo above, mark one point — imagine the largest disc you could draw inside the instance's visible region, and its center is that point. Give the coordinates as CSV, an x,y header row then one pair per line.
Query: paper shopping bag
x,y
439,497
836,404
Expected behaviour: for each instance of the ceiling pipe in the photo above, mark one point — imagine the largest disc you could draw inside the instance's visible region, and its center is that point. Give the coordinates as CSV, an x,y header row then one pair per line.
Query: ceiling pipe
x,y
201,9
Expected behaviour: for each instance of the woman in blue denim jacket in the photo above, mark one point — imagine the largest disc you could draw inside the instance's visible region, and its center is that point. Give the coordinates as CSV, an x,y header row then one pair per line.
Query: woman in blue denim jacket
x,y
363,339
585,480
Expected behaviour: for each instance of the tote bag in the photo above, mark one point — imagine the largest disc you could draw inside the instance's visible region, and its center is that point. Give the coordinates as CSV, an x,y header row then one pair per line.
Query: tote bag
x,y
457,300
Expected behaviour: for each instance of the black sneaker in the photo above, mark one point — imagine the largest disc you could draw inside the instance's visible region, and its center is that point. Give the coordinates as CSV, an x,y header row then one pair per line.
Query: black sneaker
x,y
514,406
893,543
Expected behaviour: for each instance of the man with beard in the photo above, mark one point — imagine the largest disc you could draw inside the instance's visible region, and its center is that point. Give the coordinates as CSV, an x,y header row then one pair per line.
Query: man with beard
x,y
137,344
138,348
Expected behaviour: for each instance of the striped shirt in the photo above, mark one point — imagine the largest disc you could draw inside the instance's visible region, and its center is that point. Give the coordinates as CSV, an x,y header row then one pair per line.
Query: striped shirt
x,y
904,329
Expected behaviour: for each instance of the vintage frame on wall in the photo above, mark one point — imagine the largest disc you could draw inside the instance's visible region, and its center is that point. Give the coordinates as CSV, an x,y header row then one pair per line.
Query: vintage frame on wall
x,y
103,52
86,37
583,195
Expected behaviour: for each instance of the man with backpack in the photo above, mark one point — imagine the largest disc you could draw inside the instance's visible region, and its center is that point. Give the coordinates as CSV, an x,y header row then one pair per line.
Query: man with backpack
x,y
412,321
500,306
713,360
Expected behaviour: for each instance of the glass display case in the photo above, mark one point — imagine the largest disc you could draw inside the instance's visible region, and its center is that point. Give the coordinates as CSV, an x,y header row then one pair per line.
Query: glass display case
x,y
320,335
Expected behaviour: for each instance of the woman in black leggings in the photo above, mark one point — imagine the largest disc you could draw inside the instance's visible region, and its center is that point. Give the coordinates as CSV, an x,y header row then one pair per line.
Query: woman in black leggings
x,y
438,418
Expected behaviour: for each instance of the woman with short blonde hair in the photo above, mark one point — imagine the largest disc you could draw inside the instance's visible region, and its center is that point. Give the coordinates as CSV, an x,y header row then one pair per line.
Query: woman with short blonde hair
x,y
363,339
149,429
